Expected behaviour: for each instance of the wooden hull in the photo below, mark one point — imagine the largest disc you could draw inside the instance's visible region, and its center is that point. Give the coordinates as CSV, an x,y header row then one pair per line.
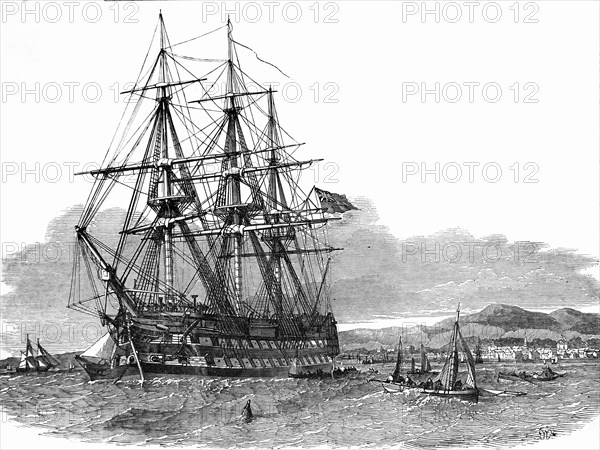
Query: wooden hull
x,y
392,388
465,394
230,372
32,370
166,347
322,374
528,378
101,371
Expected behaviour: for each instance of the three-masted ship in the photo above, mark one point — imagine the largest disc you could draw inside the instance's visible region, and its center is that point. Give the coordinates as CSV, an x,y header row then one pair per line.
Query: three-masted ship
x,y
221,262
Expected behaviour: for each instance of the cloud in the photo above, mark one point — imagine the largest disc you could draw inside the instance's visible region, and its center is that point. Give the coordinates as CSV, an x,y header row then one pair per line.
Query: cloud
x,y
379,273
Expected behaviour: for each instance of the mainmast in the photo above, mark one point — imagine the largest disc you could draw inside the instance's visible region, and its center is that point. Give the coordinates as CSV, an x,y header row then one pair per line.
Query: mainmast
x,y
166,202
274,186
233,187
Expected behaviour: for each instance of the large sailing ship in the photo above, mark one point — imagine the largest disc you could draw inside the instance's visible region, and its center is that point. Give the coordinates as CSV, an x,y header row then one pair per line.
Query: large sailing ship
x,y
221,263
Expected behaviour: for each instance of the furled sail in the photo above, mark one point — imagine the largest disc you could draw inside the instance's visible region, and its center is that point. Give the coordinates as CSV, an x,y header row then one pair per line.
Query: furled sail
x,y
424,360
450,370
398,360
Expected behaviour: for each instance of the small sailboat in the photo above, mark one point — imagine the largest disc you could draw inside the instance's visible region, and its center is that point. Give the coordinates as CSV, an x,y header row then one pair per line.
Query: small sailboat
x,y
546,374
398,368
447,384
395,382
36,361
478,355
103,360
425,364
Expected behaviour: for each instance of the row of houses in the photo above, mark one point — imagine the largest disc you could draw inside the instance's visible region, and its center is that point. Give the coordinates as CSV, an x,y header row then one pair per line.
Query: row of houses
x,y
491,353
524,353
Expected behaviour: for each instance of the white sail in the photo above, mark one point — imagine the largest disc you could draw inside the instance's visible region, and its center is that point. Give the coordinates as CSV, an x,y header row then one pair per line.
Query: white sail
x,y
23,362
470,362
103,348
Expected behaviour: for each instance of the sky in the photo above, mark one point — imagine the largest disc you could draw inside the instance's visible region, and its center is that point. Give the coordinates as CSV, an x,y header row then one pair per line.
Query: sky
x,y
484,119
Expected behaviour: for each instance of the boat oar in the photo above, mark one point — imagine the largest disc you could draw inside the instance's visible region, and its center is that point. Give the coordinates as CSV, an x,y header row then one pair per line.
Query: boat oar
x,y
370,380
497,393
120,376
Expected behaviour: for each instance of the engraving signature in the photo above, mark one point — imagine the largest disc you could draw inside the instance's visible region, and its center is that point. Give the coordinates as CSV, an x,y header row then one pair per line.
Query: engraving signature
x,y
546,433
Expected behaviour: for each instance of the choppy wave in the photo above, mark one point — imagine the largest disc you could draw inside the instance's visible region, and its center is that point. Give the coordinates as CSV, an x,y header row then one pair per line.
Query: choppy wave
x,y
171,411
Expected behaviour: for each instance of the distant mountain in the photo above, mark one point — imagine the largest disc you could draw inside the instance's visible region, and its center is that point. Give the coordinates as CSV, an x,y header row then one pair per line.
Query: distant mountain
x,y
493,322
507,317
571,319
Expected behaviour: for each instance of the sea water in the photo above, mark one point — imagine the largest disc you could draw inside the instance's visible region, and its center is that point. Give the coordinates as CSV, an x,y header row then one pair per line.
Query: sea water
x,y
194,411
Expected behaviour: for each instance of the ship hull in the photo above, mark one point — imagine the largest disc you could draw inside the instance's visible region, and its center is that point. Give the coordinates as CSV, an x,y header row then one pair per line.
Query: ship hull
x,y
165,347
229,372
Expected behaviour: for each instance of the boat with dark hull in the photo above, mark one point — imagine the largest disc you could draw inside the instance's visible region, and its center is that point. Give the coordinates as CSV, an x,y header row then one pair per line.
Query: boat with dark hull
x,y
298,371
104,359
545,374
8,370
221,263
101,371
478,352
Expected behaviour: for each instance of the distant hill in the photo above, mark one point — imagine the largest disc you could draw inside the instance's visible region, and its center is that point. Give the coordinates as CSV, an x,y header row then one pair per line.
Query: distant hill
x,y
509,318
493,322
571,319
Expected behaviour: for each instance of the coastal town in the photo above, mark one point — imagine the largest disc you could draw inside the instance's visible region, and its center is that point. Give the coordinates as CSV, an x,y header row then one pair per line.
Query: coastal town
x,y
526,352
